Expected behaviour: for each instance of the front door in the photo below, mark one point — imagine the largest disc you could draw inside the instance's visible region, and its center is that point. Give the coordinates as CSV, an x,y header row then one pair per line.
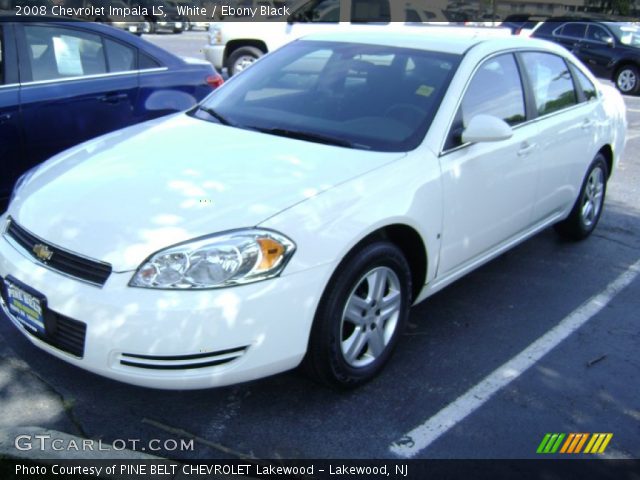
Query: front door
x,y
489,188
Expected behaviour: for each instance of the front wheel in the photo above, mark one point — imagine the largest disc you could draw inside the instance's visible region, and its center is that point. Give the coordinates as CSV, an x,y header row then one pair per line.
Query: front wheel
x,y
627,79
243,58
588,207
360,317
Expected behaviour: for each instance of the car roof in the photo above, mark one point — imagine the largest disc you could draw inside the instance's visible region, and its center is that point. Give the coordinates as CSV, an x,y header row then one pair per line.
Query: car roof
x,y
149,48
440,39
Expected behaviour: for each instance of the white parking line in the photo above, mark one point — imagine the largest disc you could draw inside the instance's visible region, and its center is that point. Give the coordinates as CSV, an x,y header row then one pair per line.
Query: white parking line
x,y
424,435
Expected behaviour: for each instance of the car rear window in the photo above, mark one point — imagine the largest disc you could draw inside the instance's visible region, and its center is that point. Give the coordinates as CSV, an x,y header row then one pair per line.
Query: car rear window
x,y
145,62
120,57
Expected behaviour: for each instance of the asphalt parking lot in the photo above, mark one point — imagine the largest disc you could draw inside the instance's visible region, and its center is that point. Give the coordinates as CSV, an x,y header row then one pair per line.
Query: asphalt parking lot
x,y
458,343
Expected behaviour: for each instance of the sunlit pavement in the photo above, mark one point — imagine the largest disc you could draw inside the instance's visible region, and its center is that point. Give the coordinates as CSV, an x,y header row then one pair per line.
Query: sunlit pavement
x,y
589,383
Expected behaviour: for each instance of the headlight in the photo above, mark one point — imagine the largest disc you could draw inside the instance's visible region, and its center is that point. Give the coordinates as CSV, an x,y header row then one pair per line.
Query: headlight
x,y
217,261
21,181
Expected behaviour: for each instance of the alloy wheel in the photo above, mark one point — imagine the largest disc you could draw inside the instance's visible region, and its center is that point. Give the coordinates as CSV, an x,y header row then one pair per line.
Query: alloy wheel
x,y
593,196
370,317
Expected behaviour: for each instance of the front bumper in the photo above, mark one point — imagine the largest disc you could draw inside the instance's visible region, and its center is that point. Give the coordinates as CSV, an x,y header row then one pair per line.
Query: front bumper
x,y
215,55
177,339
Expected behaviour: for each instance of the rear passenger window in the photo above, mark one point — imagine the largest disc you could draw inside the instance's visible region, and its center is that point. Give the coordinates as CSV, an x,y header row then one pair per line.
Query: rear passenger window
x,y
573,30
55,52
120,57
588,88
145,62
551,81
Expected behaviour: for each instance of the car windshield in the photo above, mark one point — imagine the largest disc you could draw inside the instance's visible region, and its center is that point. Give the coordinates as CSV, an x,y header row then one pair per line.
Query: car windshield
x,y
628,34
354,95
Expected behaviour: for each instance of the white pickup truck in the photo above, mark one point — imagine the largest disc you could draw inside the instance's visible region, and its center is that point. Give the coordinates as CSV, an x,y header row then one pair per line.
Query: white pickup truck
x,y
235,45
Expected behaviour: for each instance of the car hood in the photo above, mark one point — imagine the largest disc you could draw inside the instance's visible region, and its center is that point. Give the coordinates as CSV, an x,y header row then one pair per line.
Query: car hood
x,y
126,195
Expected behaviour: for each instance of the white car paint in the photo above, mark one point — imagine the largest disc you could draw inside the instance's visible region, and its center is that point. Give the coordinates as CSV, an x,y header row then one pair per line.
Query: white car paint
x,y
123,196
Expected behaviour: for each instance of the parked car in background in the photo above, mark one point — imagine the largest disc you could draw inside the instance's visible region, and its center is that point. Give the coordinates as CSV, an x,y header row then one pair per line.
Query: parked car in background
x,y
236,45
111,14
297,213
169,21
522,24
63,82
611,50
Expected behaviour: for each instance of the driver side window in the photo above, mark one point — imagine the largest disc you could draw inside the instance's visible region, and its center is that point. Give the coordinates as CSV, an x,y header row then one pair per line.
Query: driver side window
x,y
495,89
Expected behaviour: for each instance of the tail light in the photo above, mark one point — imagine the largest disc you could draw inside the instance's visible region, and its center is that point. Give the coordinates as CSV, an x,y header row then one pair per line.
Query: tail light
x,y
215,80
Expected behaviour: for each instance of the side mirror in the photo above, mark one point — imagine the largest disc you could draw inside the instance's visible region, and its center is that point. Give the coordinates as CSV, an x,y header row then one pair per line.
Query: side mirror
x,y
608,41
486,128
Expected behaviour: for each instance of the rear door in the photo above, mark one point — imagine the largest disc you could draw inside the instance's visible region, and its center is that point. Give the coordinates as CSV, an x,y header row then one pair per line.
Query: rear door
x,y
567,124
76,85
10,131
570,35
595,51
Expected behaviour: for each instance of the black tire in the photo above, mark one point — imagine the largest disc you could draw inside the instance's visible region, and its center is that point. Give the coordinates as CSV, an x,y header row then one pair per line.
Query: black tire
x,y
627,79
241,58
149,26
579,224
332,331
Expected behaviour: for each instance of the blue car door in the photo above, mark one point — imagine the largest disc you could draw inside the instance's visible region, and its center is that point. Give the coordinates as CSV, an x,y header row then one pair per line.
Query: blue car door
x,y
10,131
76,84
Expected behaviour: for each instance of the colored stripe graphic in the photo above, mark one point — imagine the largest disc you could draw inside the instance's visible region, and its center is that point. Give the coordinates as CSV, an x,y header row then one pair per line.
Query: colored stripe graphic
x,y
597,443
568,442
583,439
550,443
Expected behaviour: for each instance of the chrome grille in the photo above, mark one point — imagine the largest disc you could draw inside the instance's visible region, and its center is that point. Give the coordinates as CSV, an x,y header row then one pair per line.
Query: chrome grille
x,y
60,260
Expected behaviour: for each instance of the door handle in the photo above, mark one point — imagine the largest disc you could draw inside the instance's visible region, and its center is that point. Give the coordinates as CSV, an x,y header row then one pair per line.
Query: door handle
x,y
526,148
5,118
587,124
113,97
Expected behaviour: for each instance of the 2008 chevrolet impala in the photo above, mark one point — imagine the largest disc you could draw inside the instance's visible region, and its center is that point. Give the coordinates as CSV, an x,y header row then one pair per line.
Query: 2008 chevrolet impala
x,y
298,212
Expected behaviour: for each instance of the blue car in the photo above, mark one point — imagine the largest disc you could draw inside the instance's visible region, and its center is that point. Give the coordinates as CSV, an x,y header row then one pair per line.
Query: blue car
x,y
64,82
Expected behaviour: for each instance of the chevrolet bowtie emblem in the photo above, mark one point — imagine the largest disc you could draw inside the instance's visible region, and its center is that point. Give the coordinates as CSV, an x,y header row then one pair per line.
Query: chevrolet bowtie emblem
x,y
42,252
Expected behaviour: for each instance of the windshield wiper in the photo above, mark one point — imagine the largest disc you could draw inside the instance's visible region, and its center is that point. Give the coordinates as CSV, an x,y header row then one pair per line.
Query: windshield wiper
x,y
310,136
223,120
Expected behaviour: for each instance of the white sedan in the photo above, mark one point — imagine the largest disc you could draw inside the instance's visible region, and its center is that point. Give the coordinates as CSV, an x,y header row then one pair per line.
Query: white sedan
x,y
297,213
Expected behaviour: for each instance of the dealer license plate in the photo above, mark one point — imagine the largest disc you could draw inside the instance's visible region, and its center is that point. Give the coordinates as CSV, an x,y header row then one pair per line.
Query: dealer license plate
x,y
27,307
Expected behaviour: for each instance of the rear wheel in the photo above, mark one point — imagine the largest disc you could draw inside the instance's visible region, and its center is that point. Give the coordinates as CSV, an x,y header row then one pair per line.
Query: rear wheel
x,y
360,317
588,207
627,79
